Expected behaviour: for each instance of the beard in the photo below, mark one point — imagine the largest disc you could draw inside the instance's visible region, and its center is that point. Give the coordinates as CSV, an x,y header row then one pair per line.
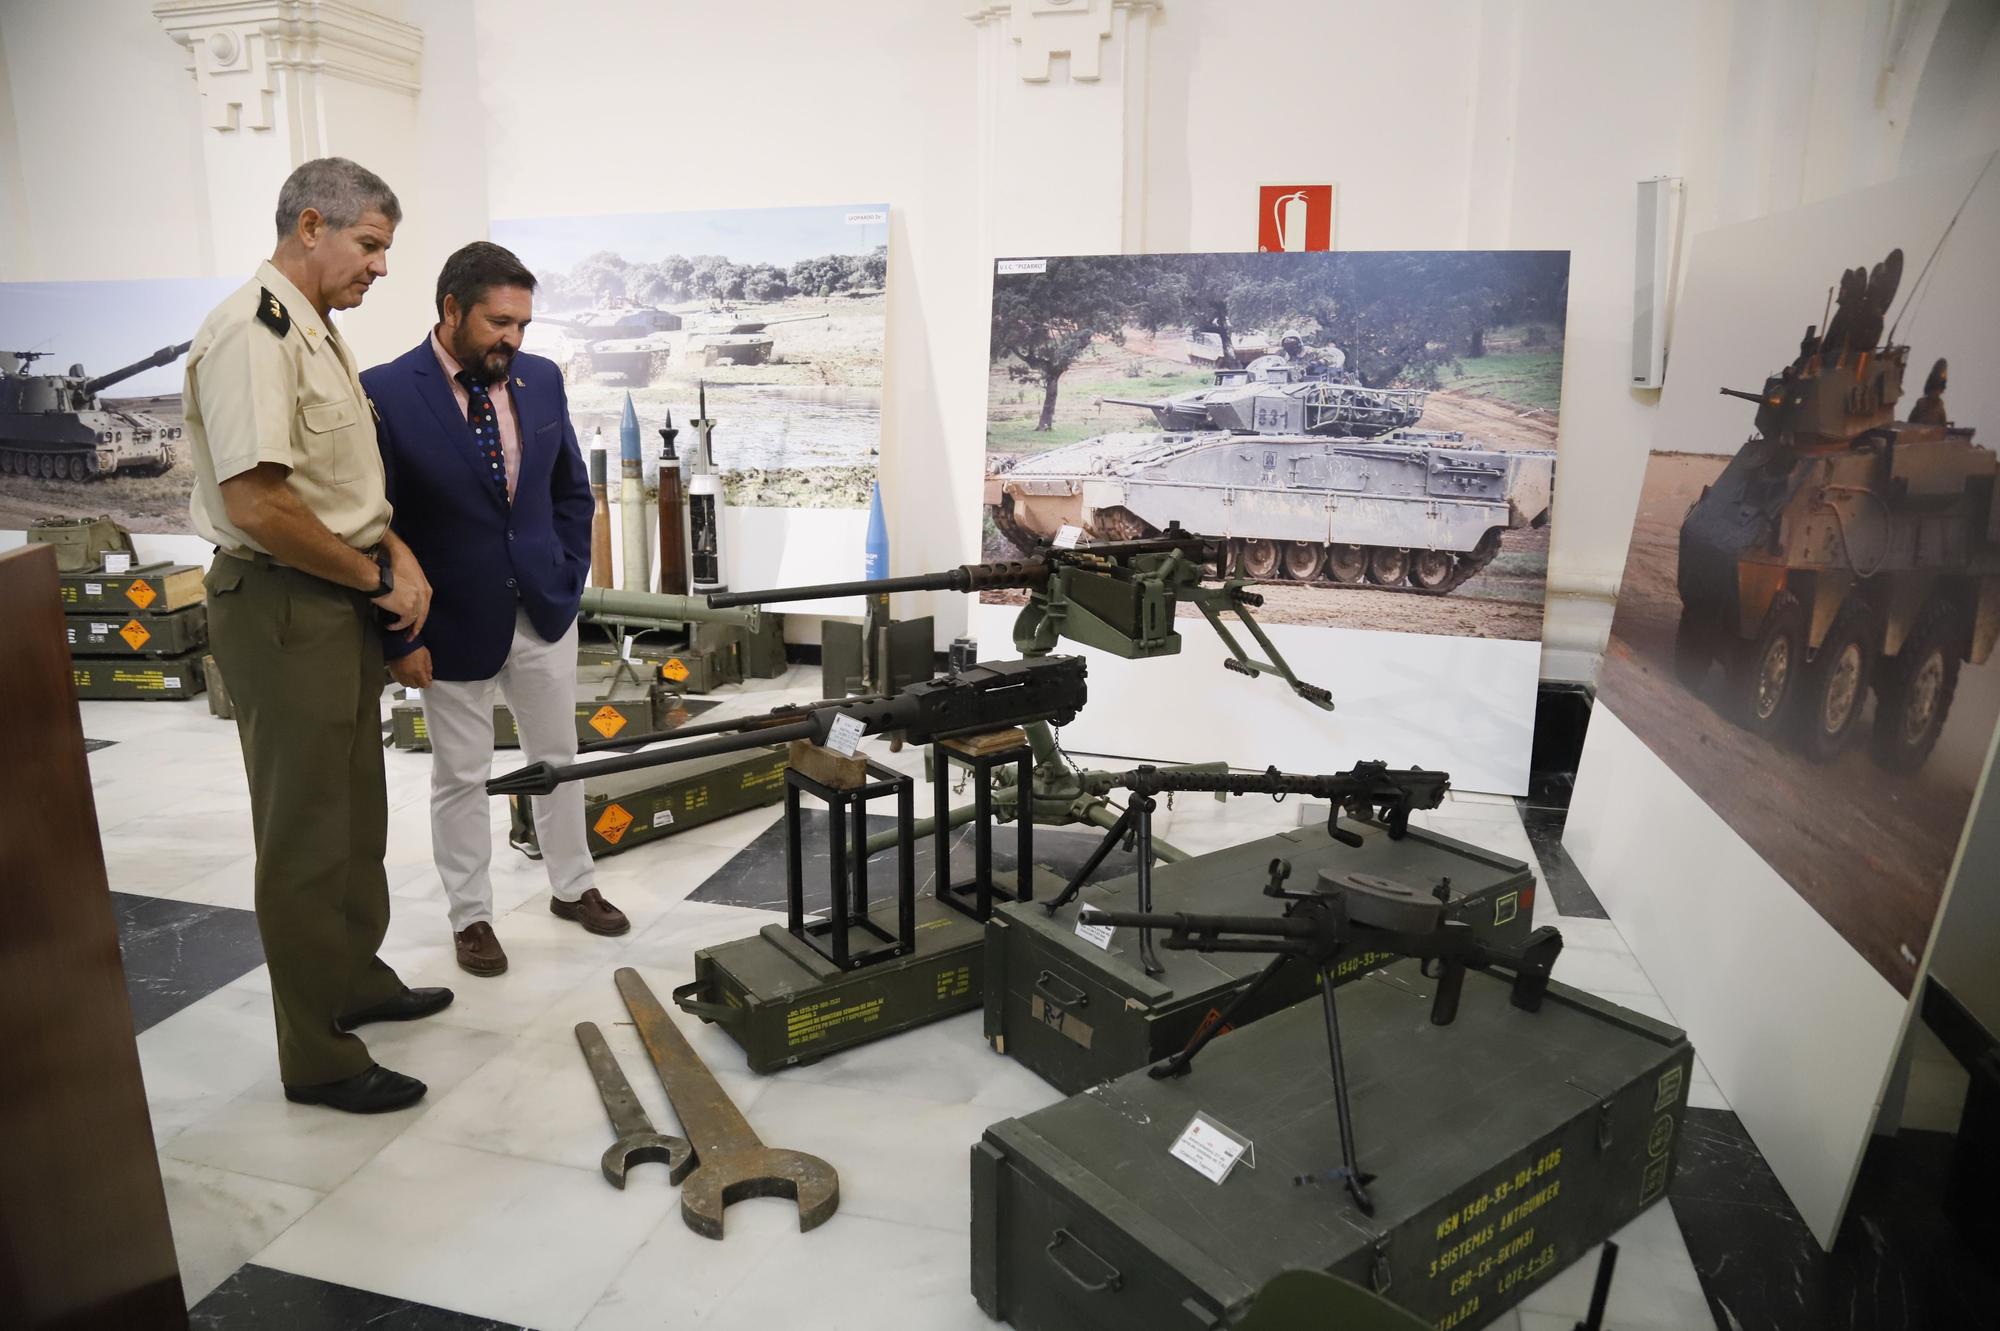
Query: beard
x,y
488,364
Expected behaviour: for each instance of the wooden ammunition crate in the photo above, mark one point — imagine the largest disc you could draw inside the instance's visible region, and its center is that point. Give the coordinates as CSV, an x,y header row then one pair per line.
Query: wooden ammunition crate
x,y
152,678
173,634
1504,1147
148,589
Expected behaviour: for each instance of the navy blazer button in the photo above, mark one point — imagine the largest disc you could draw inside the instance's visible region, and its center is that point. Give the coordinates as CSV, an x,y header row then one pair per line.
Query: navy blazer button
x,y
510,535
510,582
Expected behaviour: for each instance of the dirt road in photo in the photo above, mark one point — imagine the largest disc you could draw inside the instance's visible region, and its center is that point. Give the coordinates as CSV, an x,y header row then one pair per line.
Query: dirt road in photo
x,y
1868,849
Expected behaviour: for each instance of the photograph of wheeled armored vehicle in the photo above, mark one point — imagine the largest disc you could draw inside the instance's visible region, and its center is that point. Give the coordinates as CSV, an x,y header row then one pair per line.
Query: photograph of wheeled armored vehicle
x,y
55,426
1842,550
1308,480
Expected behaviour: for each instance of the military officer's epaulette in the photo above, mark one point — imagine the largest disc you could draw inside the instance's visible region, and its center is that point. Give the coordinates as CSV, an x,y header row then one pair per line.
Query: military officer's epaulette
x,y
272,313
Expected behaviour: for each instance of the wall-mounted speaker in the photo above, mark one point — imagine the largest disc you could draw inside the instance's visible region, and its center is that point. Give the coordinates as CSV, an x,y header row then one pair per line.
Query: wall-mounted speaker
x,y
1652,277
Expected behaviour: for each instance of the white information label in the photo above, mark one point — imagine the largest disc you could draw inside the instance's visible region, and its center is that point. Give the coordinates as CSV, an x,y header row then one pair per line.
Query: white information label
x,y
413,695
93,589
118,563
1210,1149
1097,935
100,630
845,736
875,217
172,681
625,649
1067,537
1009,267
664,818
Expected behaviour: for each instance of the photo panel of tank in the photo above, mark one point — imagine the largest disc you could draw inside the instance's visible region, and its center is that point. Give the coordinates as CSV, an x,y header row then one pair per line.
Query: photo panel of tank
x,y
90,399
1371,434
1806,624
779,312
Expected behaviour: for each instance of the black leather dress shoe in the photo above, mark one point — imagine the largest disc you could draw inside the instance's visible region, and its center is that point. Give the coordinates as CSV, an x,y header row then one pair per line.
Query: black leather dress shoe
x,y
406,1006
376,1091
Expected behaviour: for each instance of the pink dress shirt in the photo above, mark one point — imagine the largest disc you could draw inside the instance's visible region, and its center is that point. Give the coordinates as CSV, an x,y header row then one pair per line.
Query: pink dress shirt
x,y
503,409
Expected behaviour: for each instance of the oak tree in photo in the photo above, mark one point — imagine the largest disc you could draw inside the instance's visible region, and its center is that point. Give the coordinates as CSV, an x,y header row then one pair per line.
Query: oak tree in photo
x,y
1045,321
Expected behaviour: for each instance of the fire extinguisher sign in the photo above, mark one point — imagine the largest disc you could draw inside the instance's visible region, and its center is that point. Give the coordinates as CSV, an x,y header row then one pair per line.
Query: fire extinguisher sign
x,y
1294,217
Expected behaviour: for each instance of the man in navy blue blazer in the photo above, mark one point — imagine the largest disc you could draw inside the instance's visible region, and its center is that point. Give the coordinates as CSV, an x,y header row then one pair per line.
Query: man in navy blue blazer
x,y
491,495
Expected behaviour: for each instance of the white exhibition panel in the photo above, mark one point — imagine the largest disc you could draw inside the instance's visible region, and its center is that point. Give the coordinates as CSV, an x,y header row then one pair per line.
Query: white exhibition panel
x,y
1797,1029
1465,705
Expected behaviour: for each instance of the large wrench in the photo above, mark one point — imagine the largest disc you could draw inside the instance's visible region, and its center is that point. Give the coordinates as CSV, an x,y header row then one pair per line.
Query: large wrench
x,y
637,1142
732,1162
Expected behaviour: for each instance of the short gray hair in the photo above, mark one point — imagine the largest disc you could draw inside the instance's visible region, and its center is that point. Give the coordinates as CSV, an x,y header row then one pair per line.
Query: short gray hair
x,y
338,190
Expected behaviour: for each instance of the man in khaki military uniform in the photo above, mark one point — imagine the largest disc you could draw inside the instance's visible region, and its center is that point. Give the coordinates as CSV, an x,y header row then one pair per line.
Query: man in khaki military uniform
x,y
288,485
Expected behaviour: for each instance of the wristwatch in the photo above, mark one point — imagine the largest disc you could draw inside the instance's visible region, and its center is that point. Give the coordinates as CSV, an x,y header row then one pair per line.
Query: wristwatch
x,y
388,582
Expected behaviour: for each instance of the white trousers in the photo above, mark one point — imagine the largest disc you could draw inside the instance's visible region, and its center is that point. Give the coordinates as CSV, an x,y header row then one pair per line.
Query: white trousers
x,y
539,683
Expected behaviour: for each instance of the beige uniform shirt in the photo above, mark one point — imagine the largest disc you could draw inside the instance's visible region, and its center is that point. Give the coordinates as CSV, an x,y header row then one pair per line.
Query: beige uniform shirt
x,y
257,394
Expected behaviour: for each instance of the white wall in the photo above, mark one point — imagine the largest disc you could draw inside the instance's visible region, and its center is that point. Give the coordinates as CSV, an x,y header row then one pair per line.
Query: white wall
x,y
1447,123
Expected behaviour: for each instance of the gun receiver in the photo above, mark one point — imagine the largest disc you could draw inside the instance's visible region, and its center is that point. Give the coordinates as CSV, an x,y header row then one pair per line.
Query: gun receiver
x,y
992,696
1373,791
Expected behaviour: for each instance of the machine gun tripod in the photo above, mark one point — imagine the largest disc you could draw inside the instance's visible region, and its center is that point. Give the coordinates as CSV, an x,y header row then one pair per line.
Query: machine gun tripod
x,y
1367,790
1117,596
1345,909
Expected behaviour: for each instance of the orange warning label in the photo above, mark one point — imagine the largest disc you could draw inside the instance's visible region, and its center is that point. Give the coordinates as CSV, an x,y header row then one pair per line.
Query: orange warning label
x,y
135,634
674,669
141,593
611,824
607,721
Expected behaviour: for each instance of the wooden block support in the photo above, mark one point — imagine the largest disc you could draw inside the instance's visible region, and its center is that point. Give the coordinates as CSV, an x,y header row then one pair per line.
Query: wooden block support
x,y
827,767
993,741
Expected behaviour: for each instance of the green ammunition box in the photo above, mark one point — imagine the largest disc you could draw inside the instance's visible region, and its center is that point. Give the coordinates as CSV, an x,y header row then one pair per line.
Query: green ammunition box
x,y
629,809
596,719
786,1004
173,634
707,656
151,589
1077,1014
171,677
1503,1147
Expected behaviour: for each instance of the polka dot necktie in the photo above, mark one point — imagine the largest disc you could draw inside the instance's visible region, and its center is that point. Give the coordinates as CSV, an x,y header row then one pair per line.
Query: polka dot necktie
x,y
485,424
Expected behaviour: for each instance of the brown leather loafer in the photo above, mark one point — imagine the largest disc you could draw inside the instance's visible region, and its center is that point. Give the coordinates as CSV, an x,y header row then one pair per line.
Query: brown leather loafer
x,y
478,950
593,912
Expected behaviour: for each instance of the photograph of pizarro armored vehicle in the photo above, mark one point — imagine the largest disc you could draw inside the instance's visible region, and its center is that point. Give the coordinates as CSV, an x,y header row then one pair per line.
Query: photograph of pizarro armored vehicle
x,y
1806,623
90,399
1348,425
777,314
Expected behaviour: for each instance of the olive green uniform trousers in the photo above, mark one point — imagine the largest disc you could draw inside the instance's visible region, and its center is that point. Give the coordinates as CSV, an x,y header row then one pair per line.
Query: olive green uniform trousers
x,y
303,658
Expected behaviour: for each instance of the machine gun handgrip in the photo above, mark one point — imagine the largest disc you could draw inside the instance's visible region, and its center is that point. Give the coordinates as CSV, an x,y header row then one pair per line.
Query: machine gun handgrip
x,y
1450,984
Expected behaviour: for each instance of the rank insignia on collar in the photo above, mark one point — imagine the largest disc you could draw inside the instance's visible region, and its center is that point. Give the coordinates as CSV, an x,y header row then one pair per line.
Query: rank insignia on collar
x,y
272,313
520,383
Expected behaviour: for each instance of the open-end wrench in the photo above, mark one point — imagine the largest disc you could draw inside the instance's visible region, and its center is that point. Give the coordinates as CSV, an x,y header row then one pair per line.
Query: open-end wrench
x,y
731,1161
637,1142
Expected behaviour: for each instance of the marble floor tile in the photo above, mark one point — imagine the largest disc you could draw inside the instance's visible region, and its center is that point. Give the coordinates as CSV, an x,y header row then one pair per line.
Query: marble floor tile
x,y
678,1279
947,1061
258,1297
916,1279
175,954
539,972
1606,972
492,1235
1654,1285
259,1132
900,1158
221,1218
206,1055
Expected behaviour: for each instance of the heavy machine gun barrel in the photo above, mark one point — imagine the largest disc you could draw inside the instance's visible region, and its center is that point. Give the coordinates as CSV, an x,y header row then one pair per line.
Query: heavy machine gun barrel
x,y
164,356
986,697
1366,790
615,606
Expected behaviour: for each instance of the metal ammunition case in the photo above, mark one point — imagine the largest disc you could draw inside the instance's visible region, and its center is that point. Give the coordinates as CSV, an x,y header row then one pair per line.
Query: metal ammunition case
x,y
148,589
169,677
173,634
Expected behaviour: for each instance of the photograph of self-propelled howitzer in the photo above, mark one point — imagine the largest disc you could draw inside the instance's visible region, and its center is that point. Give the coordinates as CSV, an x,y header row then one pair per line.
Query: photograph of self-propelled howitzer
x,y
864,968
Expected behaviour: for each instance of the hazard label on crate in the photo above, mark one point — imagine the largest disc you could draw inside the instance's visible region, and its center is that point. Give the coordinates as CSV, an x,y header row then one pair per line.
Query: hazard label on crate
x,y
607,721
674,668
135,633
141,593
611,824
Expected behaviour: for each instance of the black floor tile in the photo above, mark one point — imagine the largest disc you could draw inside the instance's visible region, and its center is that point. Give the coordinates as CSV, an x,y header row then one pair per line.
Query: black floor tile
x,y
177,953
756,875
1897,1265
256,1298
1565,881
93,745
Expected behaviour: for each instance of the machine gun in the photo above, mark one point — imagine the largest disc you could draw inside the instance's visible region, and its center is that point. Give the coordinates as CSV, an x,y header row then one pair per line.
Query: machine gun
x,y
1116,596
1317,925
1371,791
986,697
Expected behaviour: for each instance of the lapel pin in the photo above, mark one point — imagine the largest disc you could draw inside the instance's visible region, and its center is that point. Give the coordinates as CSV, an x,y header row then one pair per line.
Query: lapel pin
x,y
520,383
